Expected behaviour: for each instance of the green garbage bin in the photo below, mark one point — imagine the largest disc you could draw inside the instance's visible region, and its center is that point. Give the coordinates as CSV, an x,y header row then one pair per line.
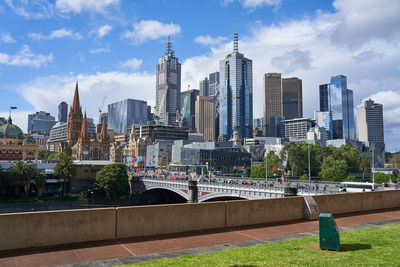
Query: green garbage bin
x,y
328,232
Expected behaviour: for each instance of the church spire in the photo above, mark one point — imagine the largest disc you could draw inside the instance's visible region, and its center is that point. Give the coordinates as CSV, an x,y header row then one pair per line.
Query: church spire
x,y
75,103
84,137
103,134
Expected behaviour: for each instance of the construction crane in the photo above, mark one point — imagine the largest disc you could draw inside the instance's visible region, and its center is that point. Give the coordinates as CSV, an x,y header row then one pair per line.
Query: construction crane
x,y
181,116
100,109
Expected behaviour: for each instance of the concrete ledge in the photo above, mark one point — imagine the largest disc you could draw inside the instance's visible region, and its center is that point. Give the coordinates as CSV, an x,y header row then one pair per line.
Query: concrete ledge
x,y
250,212
339,203
166,219
37,229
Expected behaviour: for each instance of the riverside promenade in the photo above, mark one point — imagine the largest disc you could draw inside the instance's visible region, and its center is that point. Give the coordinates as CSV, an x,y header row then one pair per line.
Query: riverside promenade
x,y
139,249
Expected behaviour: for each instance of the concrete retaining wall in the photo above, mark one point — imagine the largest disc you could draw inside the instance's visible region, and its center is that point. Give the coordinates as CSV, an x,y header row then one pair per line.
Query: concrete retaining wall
x,y
250,212
36,229
165,219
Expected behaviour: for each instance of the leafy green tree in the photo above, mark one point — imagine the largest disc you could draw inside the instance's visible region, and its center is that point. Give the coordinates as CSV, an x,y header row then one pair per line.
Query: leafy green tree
x,y
365,163
257,170
44,154
22,175
333,169
40,182
65,169
4,181
350,155
383,178
111,181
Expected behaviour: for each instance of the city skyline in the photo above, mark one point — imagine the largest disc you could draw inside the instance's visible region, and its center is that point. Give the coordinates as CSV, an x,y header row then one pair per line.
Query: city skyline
x,y
311,44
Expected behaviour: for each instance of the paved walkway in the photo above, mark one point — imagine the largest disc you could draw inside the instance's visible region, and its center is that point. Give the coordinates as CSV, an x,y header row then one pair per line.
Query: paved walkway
x,y
117,252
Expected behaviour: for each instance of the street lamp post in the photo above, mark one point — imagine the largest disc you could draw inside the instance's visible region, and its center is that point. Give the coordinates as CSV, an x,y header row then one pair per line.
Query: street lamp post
x,y
372,169
309,165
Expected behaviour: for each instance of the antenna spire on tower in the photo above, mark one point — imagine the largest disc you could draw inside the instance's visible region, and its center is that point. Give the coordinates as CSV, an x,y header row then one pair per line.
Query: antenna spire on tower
x,y
235,42
169,46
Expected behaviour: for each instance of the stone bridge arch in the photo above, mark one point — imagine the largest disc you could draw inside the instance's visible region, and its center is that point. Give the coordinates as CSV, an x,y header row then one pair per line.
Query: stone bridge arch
x,y
221,195
174,190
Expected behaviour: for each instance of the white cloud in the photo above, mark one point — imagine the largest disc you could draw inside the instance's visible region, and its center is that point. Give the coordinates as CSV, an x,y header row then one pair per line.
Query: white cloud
x,y
99,50
252,4
132,64
147,30
77,6
6,37
208,40
56,34
103,31
46,92
37,9
25,57
292,60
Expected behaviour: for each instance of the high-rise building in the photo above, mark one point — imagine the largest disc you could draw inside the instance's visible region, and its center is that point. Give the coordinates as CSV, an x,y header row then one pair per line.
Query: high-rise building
x,y
168,87
235,95
340,102
277,126
204,87
187,111
324,97
298,128
62,112
214,83
272,99
292,98
40,122
259,123
324,120
205,117
123,114
370,122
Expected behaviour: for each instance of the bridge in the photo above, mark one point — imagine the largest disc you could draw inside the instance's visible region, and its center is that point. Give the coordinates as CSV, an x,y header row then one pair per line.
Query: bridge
x,y
217,190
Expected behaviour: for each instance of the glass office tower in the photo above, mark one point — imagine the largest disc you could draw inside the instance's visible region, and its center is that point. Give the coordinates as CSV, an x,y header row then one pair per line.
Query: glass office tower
x,y
236,95
340,102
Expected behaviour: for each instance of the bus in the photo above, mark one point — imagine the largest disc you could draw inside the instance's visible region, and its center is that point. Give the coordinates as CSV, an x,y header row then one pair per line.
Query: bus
x,y
357,187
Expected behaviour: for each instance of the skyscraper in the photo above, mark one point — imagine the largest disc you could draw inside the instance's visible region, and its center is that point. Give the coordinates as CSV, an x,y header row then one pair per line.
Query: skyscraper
x,y
272,99
62,112
187,111
324,97
292,98
340,102
370,122
214,83
40,122
125,113
236,94
168,87
324,120
205,117
204,86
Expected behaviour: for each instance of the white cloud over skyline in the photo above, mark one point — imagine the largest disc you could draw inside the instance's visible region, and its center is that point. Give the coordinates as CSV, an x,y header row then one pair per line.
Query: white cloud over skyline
x,y
56,34
132,63
208,40
148,30
25,57
6,38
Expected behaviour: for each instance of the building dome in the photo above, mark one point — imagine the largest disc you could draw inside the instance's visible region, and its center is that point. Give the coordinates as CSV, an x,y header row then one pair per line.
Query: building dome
x,y
235,133
10,130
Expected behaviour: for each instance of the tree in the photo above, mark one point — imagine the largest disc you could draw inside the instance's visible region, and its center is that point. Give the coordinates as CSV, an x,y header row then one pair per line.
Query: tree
x,y
40,182
4,181
365,163
22,175
381,178
111,181
257,170
44,154
65,169
333,169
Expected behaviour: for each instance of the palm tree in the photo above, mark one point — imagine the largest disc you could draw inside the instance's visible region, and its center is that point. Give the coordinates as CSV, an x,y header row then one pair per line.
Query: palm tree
x,y
40,182
64,169
22,175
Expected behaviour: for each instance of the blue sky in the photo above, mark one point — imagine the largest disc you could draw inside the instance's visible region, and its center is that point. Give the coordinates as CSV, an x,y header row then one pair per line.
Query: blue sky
x,y
112,46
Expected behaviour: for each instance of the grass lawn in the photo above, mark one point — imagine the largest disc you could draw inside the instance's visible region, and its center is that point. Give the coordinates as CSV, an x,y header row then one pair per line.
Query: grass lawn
x,y
379,246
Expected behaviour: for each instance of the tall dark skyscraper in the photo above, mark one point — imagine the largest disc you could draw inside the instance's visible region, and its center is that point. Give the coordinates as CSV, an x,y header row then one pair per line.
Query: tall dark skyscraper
x,y
205,87
324,97
188,102
272,99
168,87
62,112
292,98
235,95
